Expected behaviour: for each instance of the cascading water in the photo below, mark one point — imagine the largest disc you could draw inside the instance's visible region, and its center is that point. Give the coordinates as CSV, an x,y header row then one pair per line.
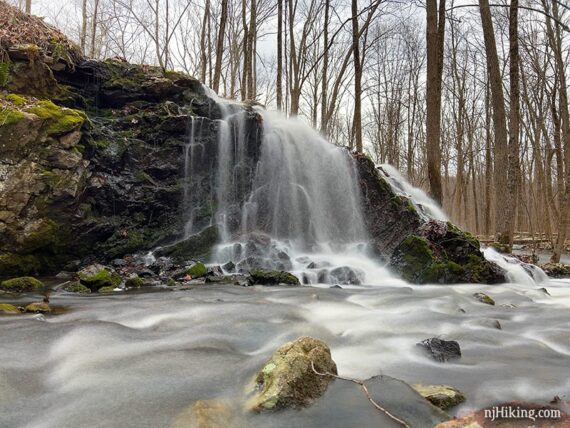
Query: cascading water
x,y
297,208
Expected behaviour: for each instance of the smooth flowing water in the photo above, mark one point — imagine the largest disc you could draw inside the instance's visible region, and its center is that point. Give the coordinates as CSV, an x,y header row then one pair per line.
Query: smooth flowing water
x,y
140,360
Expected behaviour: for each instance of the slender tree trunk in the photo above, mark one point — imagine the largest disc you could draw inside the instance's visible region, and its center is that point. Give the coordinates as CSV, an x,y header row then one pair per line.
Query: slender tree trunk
x,y
324,83
83,36
204,43
435,34
246,61
513,167
94,21
357,118
499,121
220,46
279,54
29,7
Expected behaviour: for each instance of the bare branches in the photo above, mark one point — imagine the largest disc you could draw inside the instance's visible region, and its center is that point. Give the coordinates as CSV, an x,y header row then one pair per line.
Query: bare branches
x,y
366,393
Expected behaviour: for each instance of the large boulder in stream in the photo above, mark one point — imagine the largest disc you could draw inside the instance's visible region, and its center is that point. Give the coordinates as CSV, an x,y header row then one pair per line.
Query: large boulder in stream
x,y
296,375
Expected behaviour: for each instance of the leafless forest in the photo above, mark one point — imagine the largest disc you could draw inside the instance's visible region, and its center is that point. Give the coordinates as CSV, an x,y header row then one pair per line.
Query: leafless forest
x,y
468,99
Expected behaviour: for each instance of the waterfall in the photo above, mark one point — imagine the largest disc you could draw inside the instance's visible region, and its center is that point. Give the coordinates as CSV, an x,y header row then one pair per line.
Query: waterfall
x,y
295,204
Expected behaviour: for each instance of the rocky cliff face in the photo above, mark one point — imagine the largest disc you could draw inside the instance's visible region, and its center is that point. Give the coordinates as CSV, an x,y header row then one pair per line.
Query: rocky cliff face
x,y
92,161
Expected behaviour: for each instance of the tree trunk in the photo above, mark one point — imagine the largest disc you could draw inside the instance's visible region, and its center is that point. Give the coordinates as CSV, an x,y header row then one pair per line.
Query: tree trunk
x,y
324,83
94,21
220,46
435,34
357,118
499,121
83,35
29,7
279,54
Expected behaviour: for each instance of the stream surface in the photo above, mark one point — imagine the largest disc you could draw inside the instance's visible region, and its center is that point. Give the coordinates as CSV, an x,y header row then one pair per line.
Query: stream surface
x,y
140,360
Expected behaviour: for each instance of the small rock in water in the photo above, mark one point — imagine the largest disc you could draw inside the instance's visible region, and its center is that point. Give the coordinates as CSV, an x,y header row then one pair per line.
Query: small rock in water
x,y
288,380
6,308
346,275
273,277
508,306
441,350
442,396
544,290
312,265
483,298
229,267
206,414
38,308
336,286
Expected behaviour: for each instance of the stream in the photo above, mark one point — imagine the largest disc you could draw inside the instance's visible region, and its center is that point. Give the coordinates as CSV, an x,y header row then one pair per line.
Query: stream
x,y
140,360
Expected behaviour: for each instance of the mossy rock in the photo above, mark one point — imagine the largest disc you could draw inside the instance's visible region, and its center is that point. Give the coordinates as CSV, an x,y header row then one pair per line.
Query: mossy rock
x,y
442,396
21,284
197,247
77,287
38,308
197,270
6,308
171,282
272,277
59,120
96,277
15,264
106,290
134,282
483,298
289,379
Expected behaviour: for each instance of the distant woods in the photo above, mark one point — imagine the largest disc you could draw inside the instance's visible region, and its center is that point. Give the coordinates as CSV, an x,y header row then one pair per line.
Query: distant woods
x,y
469,99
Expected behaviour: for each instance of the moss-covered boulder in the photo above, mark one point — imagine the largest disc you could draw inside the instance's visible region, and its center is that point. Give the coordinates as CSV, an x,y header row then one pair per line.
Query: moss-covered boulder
x,y
21,284
272,277
197,270
38,308
208,414
484,298
442,396
6,308
106,290
98,276
295,376
442,253
134,282
77,287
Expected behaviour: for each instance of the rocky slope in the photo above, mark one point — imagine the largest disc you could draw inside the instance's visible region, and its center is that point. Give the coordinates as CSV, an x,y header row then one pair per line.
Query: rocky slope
x,y
92,161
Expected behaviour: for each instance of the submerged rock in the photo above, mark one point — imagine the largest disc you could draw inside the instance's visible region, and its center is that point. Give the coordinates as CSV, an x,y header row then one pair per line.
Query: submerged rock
x,y
272,277
97,276
288,380
21,284
38,308
106,290
207,414
441,350
346,275
134,282
229,267
6,308
77,287
483,298
442,396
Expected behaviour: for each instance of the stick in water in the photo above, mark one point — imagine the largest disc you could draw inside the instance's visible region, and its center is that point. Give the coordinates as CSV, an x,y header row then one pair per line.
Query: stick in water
x,y
366,392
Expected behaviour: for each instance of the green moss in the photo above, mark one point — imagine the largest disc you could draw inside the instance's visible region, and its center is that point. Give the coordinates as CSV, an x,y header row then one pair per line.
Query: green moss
x,y
16,100
4,73
60,119
455,233
77,287
21,284
38,308
6,308
106,290
49,236
170,282
9,116
102,278
134,282
197,270
273,277
483,298
15,264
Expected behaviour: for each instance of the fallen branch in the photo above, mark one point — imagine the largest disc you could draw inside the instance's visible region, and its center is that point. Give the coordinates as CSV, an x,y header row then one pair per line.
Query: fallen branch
x,y
366,392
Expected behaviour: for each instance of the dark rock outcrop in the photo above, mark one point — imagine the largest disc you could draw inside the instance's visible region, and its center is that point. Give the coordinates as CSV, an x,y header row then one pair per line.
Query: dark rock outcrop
x,y
421,250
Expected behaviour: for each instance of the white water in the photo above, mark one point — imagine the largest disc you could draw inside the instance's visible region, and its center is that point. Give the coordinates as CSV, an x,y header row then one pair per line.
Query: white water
x,y
304,198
